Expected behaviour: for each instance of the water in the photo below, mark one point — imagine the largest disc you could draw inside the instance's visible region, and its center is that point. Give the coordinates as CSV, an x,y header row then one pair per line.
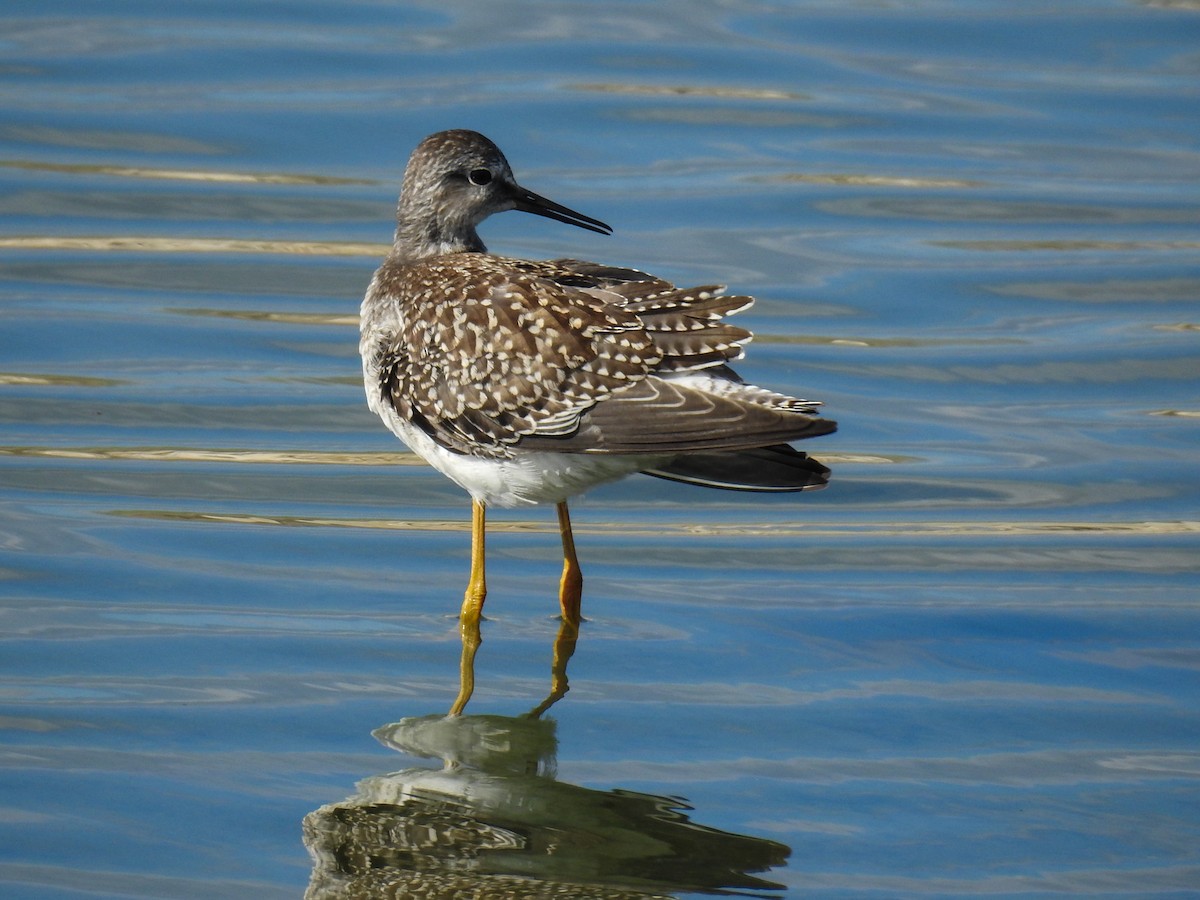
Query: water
x,y
968,667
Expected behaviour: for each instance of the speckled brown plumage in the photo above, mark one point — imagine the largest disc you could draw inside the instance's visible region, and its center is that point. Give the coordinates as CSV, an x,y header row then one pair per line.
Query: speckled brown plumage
x,y
529,382
489,354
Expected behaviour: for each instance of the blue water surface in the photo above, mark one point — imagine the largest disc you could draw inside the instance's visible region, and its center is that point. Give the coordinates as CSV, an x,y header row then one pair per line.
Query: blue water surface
x,y
228,595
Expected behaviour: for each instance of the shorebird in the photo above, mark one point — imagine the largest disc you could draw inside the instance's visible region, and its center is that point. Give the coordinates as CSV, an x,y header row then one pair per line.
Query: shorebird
x,y
531,381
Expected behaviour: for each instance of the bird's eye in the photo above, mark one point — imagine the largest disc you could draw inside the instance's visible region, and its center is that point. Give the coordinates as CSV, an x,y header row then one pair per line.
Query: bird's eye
x,y
480,177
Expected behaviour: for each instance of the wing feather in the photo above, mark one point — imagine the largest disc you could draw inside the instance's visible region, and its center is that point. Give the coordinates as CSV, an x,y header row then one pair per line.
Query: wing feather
x,y
488,354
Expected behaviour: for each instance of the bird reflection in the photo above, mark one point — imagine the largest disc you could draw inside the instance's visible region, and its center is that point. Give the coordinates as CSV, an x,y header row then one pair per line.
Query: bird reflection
x,y
493,822
564,648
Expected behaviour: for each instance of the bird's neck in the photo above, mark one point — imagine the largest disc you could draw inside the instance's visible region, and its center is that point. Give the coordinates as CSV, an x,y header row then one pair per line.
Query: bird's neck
x,y
421,234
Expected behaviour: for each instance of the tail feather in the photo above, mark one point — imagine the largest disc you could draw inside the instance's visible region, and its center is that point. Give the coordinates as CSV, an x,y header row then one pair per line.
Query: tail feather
x,y
777,468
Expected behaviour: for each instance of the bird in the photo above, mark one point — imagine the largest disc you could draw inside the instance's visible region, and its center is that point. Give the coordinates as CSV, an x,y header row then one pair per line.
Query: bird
x,y
528,381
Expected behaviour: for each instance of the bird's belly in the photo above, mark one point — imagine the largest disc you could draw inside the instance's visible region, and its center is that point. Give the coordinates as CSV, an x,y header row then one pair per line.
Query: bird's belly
x,y
530,477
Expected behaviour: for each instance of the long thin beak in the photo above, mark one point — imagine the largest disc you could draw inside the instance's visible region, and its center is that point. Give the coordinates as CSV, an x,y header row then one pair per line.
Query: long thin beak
x,y
528,201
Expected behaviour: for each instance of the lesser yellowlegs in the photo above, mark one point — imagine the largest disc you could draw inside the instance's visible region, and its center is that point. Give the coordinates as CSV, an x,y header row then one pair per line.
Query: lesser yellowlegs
x,y
532,381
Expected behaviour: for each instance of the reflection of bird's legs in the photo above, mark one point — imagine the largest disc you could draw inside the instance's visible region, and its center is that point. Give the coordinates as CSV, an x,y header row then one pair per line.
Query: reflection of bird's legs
x,y
471,639
570,588
564,647
472,610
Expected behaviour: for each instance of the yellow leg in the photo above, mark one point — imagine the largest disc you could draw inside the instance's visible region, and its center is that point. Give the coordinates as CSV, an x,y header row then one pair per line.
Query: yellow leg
x,y
570,588
472,611
472,607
